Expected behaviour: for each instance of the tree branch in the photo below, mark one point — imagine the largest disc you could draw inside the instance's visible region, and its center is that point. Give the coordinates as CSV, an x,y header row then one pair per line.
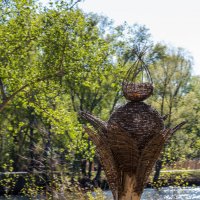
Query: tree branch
x,y
173,130
164,117
11,97
74,4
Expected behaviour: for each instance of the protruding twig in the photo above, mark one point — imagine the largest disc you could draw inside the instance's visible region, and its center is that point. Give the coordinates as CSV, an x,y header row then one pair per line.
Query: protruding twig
x,y
94,121
164,117
177,127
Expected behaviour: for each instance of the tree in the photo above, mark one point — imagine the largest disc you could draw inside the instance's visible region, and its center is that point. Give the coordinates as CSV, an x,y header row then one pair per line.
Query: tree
x,y
171,75
189,109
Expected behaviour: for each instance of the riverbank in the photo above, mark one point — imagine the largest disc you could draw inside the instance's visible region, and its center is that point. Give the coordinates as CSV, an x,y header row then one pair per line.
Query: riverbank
x,y
14,182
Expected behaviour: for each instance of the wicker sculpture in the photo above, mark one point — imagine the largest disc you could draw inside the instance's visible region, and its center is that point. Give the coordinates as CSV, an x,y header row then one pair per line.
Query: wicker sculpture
x,y
130,142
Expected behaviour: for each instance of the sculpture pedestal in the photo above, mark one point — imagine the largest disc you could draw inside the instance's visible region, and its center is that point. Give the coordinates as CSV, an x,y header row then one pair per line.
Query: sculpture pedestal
x,y
133,197
128,189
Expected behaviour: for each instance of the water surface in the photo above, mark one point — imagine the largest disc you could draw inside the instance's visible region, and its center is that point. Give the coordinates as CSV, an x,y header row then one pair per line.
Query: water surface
x,y
168,193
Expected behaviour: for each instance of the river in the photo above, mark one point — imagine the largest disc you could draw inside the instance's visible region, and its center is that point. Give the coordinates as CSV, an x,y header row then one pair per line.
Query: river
x,y
168,193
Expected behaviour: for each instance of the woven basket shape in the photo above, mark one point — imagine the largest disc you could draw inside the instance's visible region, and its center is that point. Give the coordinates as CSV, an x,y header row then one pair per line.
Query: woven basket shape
x,y
137,85
139,120
137,91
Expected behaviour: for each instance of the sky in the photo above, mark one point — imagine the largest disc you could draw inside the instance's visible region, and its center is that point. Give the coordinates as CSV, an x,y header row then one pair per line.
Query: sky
x,y
174,22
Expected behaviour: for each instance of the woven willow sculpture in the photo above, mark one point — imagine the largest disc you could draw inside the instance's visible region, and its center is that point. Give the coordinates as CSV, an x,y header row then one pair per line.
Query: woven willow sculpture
x,y
130,142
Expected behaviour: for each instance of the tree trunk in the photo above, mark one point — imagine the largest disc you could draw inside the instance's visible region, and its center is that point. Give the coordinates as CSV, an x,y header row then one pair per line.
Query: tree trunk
x,y
90,170
158,168
83,167
31,150
99,170
31,139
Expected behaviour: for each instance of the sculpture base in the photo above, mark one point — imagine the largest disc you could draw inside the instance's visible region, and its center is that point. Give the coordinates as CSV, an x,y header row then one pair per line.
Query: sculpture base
x,y
128,189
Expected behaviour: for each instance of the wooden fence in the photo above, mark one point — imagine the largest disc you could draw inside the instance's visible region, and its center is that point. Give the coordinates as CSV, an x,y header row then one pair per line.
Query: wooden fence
x,y
187,164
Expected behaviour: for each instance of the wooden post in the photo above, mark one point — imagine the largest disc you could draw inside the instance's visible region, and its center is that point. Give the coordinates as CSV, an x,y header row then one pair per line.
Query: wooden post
x,y
128,192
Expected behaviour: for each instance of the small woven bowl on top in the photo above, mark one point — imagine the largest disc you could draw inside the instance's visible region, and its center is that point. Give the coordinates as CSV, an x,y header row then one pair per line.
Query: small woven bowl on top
x,y
137,91
137,84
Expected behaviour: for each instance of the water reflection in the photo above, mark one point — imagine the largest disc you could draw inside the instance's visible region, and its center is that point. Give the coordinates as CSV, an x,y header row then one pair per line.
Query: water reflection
x,y
170,193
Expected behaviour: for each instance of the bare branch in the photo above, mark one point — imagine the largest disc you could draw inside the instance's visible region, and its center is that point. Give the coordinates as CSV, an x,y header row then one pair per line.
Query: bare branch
x,y
173,130
74,4
164,117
